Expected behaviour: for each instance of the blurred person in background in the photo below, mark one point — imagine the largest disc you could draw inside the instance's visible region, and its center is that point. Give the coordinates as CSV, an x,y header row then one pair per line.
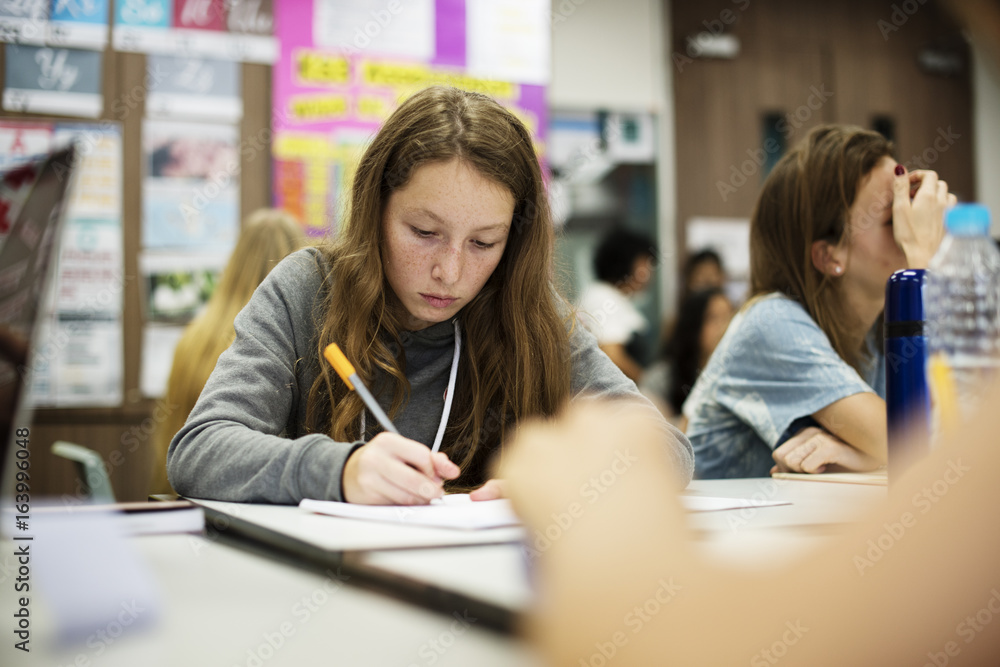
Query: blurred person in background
x,y
623,265
267,237
703,270
703,318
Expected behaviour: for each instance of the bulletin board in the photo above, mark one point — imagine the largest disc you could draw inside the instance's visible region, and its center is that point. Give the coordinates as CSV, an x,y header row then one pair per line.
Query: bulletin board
x,y
344,65
185,98
62,72
80,362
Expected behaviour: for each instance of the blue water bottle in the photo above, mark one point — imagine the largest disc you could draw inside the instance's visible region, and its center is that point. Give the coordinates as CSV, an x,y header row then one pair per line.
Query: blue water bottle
x,y
907,399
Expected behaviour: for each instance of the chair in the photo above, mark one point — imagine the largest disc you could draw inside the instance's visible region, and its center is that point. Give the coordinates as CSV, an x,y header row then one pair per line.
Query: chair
x,y
90,467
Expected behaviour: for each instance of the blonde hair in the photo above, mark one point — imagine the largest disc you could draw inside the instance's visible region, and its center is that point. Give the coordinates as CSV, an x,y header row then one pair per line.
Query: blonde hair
x,y
515,358
268,236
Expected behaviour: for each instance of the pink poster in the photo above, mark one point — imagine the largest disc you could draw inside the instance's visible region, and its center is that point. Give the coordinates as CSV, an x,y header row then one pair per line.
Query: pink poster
x,y
343,67
200,14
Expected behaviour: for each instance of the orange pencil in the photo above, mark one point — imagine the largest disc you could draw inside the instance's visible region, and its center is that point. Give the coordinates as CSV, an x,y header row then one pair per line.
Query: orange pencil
x,y
347,373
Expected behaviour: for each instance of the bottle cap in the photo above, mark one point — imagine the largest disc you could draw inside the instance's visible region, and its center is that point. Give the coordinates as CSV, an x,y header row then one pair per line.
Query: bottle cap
x,y
904,296
968,220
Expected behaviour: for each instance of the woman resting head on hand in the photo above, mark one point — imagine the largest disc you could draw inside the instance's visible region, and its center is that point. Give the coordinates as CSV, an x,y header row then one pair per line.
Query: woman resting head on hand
x,y
799,379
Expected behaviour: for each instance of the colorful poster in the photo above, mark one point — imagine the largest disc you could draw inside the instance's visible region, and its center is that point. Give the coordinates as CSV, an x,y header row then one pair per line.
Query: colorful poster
x,y
144,13
79,23
15,185
78,363
191,186
20,140
80,11
178,285
98,191
142,25
79,358
200,14
90,280
343,69
178,296
24,21
239,30
48,80
193,88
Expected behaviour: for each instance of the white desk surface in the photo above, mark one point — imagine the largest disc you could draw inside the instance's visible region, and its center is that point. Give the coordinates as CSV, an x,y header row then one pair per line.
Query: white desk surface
x,y
219,603
773,535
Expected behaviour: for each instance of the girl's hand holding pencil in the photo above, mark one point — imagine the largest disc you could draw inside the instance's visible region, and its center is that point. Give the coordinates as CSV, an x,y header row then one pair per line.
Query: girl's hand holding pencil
x,y
391,469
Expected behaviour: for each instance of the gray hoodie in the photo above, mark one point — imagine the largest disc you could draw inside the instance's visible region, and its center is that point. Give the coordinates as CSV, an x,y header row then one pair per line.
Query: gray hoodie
x,y
245,440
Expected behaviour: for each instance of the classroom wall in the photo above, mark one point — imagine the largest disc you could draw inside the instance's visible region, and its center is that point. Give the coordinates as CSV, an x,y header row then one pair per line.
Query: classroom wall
x,y
603,55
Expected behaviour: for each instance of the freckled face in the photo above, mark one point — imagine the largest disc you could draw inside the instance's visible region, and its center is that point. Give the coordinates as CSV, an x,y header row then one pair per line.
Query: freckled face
x,y
874,254
445,232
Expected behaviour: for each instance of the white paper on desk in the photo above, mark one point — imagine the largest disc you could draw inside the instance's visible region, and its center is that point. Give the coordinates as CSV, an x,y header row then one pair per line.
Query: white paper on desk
x,y
714,503
458,511
455,511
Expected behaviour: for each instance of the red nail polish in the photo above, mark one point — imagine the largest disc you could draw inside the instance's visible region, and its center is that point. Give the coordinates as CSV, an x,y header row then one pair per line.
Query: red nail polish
x,y
900,170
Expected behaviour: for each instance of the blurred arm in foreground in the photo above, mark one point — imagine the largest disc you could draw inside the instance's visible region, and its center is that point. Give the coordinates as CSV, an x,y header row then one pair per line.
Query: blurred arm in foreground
x,y
626,579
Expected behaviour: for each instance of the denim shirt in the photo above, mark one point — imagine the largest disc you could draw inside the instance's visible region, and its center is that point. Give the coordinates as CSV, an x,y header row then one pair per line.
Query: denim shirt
x,y
773,369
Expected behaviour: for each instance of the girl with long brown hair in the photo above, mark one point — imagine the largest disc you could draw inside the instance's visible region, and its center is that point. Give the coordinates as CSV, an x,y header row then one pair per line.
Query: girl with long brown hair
x,y
799,378
439,289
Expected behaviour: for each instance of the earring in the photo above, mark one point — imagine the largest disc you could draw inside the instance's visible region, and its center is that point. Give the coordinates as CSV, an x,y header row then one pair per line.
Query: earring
x,y
838,270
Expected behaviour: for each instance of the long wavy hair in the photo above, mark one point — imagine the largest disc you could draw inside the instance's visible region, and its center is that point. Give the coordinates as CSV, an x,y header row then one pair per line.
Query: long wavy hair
x,y
515,358
807,198
268,235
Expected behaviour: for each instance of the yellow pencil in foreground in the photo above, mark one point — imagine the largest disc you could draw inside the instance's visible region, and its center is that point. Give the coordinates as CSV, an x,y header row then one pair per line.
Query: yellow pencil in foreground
x,y
350,377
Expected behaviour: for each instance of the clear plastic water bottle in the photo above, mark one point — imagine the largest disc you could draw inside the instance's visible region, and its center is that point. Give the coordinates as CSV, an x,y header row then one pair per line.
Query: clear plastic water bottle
x,y
963,315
